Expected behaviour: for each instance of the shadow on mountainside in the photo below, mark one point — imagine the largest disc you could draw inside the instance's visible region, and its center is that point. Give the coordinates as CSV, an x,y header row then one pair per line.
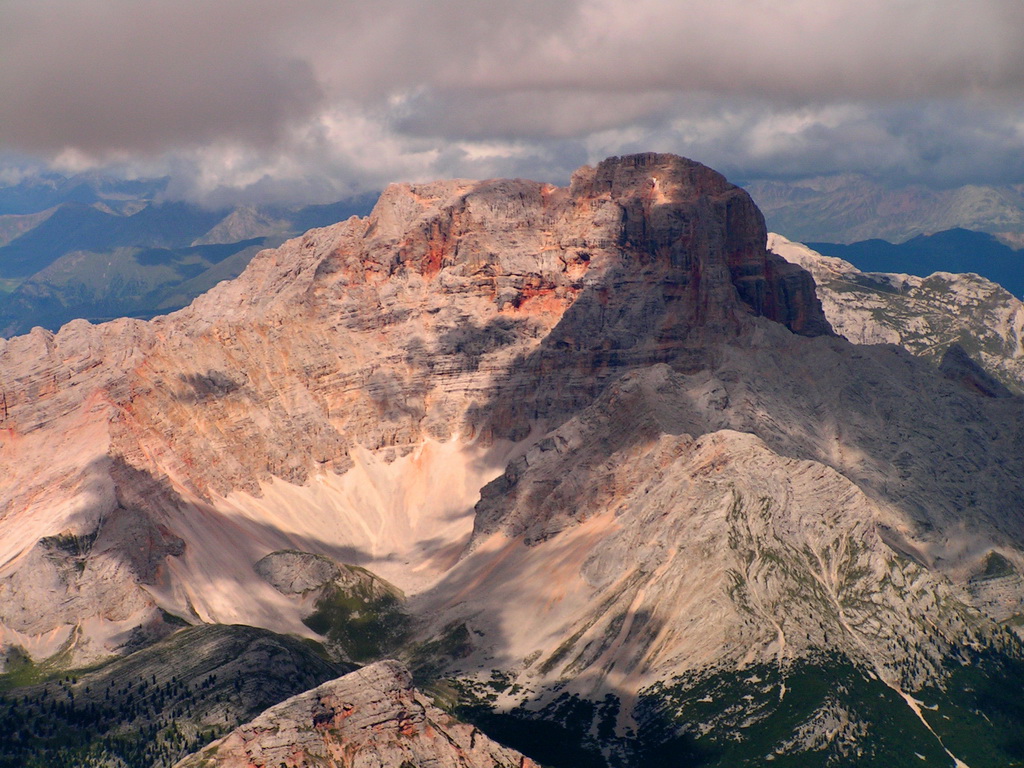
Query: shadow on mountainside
x,y
943,454
560,724
145,533
112,556
145,495
944,457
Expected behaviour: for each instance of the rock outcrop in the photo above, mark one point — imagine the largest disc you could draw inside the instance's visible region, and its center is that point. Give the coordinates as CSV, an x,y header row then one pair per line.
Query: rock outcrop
x,y
297,573
926,315
370,717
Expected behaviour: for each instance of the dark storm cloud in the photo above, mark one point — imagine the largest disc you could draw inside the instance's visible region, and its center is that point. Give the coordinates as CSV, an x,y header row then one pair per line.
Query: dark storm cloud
x,y
130,76
111,75
313,97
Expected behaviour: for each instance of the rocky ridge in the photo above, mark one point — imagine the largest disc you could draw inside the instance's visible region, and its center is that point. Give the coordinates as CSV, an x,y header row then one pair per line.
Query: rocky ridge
x,y
926,315
370,717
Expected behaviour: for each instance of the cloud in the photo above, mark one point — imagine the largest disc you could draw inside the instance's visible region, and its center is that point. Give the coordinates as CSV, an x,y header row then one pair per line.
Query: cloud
x,y
937,142
315,97
119,76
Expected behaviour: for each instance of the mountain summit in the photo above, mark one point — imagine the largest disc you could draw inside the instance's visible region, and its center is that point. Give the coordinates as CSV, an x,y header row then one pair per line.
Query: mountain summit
x,y
596,442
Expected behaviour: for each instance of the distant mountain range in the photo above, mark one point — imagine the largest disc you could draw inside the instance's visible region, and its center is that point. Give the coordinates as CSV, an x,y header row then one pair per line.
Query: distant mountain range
x,y
97,248
848,208
955,250
43,191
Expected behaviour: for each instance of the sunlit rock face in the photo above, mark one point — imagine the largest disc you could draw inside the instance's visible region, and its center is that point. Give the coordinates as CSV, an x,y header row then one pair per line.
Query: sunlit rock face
x,y
373,716
599,430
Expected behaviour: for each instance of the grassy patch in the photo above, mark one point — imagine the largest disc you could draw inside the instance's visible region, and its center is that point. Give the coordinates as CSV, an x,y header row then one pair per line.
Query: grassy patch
x,y
361,622
428,659
835,713
995,567
69,543
979,710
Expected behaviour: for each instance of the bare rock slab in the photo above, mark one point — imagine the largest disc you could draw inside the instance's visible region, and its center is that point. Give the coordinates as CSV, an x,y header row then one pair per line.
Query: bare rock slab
x,y
370,718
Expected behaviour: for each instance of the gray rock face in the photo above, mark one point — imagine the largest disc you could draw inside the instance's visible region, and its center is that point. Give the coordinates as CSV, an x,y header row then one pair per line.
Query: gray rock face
x,y
370,717
296,573
927,315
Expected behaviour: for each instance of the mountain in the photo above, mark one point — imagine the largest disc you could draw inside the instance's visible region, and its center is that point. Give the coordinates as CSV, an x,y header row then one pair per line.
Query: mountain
x,y
78,227
929,316
955,250
126,281
850,208
639,503
42,191
108,254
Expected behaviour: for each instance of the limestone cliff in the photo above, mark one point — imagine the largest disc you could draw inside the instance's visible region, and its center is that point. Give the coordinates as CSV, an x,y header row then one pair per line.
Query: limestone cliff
x,y
459,312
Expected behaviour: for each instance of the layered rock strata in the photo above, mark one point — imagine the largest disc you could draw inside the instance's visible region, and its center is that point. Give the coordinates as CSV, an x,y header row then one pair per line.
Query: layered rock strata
x,y
371,717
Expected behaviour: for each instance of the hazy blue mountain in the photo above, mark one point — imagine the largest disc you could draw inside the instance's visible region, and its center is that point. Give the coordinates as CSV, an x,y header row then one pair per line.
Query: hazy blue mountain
x,y
46,190
98,248
849,208
123,282
80,227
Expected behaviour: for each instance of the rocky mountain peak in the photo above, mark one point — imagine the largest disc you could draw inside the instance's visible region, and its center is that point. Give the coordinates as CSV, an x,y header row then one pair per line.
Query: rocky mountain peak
x,y
482,311
594,434
680,223
676,178
473,309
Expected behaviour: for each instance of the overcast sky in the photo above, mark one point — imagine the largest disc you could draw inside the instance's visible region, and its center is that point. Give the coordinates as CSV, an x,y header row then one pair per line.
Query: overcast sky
x,y
315,99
